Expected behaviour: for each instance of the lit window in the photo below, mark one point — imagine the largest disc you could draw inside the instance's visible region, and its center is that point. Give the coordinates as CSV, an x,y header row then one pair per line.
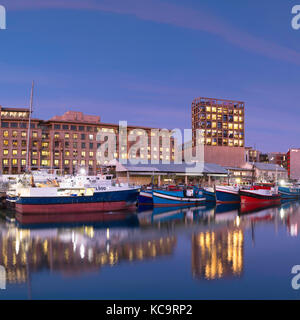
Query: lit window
x,y
83,153
5,152
23,134
75,136
5,162
5,142
82,162
67,162
15,152
14,162
91,137
23,152
91,162
67,135
23,162
5,134
34,134
91,153
56,162
15,134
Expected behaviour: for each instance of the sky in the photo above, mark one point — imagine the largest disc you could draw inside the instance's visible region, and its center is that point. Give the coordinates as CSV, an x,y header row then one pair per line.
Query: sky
x,y
145,61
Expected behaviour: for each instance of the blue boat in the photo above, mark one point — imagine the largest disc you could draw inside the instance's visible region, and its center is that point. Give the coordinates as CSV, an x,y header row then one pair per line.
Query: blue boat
x,y
289,192
145,197
176,198
209,194
227,194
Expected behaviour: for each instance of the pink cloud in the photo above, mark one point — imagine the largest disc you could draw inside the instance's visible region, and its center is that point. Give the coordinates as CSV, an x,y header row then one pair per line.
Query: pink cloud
x,y
172,14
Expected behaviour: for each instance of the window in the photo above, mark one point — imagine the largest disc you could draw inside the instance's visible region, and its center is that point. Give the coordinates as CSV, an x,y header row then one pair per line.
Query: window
x,y
75,153
82,162
81,128
23,125
23,134
83,136
23,162
57,126
67,162
45,162
5,134
45,153
65,127
91,145
91,137
74,145
83,145
56,162
15,143
67,135
74,128
91,153
45,144
15,152
34,134
88,129
91,162
74,162
5,162
67,153
23,152
56,135
32,125
34,162
4,124
15,134
83,153
5,142
23,143
34,153
75,136
14,162
5,152
14,125
67,144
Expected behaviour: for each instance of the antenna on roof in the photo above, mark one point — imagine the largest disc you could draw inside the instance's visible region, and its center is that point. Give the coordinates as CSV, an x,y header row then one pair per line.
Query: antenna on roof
x,y
29,127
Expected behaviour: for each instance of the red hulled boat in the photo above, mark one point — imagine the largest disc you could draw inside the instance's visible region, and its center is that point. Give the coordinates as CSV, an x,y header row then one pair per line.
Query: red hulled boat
x,y
264,196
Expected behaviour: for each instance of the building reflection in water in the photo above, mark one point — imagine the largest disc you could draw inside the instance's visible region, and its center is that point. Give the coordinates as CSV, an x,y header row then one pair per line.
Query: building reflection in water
x,y
74,251
217,254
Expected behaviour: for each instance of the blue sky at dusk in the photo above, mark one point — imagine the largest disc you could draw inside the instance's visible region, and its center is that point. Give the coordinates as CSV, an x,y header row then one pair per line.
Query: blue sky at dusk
x,y
144,61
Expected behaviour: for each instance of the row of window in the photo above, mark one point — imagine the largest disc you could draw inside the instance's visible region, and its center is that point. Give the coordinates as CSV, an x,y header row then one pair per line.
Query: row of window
x,y
22,125
219,117
219,125
220,110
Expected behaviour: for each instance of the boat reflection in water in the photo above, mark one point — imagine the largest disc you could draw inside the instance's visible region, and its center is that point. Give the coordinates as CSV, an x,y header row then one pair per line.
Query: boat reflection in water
x,y
68,247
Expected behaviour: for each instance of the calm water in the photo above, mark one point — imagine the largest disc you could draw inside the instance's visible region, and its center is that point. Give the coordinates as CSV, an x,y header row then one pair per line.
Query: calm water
x,y
204,253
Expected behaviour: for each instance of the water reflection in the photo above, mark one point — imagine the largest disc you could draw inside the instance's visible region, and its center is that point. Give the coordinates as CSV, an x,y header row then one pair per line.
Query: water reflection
x,y
69,247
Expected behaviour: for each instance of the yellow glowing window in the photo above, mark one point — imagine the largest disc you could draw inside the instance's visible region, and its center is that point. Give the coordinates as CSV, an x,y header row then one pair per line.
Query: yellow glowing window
x,y
236,119
230,143
241,143
5,142
23,162
241,119
5,161
23,152
82,162
214,109
14,161
241,112
214,125
67,135
67,153
56,136
91,162
56,162
23,134
236,142
83,153
230,126
236,126
15,152
75,136
34,161
45,153
34,153
67,162
45,144
34,134
15,134
208,109
91,137
45,162
91,153
241,127
214,117
74,162
5,152
208,117
5,134
219,110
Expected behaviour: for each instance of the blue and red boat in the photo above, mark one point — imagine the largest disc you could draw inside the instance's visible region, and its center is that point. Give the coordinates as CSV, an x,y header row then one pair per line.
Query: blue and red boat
x,y
227,194
145,197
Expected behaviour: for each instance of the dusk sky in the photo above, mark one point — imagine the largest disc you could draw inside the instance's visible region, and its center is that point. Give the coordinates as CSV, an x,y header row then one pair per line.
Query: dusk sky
x,y
144,61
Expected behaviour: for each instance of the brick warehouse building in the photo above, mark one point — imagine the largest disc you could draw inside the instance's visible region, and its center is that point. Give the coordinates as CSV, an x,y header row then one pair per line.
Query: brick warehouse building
x,y
223,125
64,142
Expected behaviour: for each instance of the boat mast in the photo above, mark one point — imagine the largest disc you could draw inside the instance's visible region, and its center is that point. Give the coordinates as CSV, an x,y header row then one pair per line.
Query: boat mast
x,y
29,127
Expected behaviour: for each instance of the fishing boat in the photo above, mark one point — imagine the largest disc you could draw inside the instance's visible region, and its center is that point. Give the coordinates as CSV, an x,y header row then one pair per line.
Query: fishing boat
x,y
260,196
145,197
72,196
289,192
209,194
177,198
227,194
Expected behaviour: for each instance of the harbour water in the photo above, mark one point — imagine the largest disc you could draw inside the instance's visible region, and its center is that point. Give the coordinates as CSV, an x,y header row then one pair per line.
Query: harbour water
x,y
172,253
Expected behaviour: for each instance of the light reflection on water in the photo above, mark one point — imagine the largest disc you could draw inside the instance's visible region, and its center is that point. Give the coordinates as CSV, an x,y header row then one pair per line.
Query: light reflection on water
x,y
191,250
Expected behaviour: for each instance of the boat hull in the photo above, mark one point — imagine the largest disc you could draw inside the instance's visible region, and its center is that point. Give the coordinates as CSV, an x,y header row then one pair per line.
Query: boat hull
x,y
145,198
99,202
226,196
209,196
169,198
287,193
254,198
